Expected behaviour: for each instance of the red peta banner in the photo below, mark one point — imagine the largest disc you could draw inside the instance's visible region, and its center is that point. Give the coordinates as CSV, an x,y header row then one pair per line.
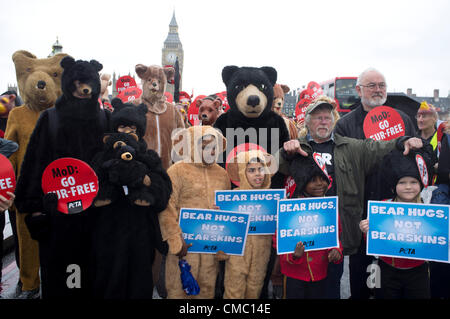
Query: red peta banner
x,y
74,181
7,177
383,123
125,82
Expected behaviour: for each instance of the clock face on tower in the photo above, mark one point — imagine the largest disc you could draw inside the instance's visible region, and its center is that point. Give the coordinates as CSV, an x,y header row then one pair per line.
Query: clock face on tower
x,y
171,57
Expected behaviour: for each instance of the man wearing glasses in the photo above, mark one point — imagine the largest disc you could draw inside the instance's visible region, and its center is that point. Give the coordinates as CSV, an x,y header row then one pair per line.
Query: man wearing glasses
x,y
372,88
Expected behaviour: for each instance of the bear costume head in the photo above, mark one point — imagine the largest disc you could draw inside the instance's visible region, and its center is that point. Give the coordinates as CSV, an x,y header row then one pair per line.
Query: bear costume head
x,y
249,89
39,80
188,144
80,79
80,83
236,169
128,114
279,90
154,82
209,109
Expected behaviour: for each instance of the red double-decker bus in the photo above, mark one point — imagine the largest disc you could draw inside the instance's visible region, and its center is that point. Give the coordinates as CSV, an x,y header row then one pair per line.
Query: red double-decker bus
x,y
343,90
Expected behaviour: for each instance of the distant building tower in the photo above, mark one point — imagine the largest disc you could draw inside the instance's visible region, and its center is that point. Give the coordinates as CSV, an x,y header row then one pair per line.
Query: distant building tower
x,y
172,50
56,48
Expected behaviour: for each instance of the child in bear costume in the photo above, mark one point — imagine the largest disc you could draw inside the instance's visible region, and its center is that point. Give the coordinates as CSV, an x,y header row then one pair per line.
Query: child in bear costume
x,y
126,230
244,275
73,128
194,179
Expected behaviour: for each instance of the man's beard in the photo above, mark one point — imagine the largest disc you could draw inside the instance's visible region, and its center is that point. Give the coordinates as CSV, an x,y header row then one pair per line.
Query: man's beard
x,y
374,101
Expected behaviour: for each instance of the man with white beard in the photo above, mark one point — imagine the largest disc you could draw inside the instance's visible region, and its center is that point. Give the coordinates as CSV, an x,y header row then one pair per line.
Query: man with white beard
x,y
371,86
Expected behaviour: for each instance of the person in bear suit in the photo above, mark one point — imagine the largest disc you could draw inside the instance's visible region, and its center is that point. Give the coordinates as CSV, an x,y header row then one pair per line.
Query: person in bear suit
x,y
126,233
73,128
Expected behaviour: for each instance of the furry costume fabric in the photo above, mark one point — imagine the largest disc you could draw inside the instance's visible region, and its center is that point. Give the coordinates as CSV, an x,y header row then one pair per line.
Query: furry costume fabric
x,y
63,239
163,118
125,235
250,96
194,184
244,275
21,123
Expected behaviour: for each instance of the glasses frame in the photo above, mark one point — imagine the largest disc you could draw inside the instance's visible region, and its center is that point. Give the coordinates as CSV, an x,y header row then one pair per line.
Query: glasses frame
x,y
373,86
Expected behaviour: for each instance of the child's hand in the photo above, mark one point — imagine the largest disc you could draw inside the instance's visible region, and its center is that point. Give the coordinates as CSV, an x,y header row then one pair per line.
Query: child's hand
x,y
299,250
364,225
184,249
334,255
6,203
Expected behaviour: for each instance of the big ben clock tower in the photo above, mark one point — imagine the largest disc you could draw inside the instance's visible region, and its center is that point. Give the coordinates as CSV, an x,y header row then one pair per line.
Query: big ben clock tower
x,y
172,50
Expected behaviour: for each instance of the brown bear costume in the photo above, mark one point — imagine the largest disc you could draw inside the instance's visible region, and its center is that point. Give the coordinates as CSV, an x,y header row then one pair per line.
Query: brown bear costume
x,y
244,275
194,184
162,116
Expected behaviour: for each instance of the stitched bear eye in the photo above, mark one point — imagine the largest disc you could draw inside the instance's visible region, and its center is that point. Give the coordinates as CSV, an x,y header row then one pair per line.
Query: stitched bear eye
x,y
55,74
239,87
262,87
28,70
119,144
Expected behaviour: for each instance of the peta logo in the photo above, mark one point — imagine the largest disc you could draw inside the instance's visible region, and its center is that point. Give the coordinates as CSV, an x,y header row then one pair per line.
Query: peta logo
x,y
75,207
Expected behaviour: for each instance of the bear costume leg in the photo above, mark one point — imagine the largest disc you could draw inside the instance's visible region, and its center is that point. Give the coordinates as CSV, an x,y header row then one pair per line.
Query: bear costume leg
x,y
244,275
28,254
204,268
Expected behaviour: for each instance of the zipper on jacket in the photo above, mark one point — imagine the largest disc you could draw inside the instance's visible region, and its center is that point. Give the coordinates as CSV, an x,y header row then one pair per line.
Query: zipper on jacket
x,y
158,133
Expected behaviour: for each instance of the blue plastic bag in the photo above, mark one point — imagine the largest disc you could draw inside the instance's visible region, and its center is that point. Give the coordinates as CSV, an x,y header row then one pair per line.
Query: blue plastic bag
x,y
190,285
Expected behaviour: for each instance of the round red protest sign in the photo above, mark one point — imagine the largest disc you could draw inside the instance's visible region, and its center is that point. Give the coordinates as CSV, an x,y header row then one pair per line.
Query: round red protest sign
x,y
7,177
383,123
125,82
130,94
74,181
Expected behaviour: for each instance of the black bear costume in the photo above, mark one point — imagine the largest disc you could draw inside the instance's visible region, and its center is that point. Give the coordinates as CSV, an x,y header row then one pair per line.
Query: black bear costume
x,y
250,96
126,231
73,128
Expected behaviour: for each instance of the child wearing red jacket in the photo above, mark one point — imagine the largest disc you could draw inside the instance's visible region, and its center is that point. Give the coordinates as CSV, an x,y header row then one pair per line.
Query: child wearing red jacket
x,y
402,277
305,272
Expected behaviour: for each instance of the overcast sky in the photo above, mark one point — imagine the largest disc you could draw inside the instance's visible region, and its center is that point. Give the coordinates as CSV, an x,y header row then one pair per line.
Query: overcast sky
x,y
305,41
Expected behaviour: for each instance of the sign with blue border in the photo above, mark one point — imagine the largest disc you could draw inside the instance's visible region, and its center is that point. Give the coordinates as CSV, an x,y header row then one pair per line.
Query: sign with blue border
x,y
314,221
210,230
408,230
261,204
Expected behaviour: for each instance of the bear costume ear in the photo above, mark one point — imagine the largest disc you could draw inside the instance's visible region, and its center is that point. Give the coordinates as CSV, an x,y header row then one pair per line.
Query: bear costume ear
x,y
140,70
285,88
133,135
181,143
228,72
233,169
271,74
106,138
117,104
217,104
142,108
97,65
169,72
67,62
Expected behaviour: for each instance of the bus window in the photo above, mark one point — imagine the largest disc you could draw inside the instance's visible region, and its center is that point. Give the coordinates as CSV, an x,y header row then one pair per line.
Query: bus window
x,y
346,92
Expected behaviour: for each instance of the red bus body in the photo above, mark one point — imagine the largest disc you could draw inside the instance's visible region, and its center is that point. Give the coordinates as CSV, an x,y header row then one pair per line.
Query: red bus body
x,y
343,90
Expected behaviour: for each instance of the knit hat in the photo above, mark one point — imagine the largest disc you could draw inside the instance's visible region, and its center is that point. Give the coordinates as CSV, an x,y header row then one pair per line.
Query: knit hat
x,y
417,164
128,114
304,168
